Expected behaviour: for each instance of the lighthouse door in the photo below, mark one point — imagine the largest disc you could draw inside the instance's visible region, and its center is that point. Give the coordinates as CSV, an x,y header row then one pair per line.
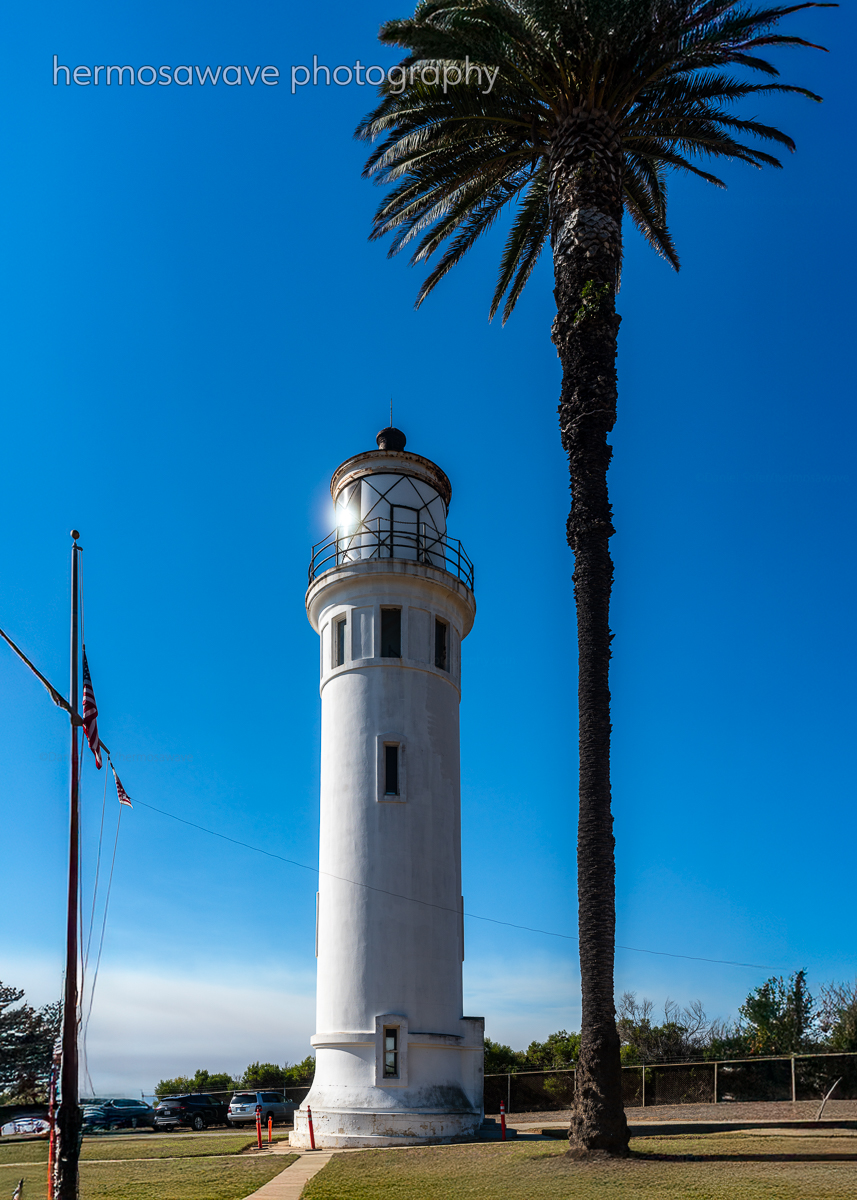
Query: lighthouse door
x,y
405,532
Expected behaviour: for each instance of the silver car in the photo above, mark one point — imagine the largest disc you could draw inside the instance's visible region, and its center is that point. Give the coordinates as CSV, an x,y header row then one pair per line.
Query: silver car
x,y
242,1108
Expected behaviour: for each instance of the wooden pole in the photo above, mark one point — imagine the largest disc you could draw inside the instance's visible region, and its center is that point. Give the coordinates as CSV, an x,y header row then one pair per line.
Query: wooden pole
x,y
69,1117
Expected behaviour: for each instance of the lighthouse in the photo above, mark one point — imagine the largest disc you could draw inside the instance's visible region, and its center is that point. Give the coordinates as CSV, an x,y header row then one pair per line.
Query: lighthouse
x,y
391,598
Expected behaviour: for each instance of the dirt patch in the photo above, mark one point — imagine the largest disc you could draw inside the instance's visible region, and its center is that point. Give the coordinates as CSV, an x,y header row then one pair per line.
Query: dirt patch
x,y
783,1110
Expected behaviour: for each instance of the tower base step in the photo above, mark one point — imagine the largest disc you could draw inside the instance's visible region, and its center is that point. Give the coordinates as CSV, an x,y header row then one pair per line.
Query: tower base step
x,y
341,1130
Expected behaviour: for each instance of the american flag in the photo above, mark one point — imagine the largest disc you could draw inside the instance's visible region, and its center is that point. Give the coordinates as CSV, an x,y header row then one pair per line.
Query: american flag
x,y
90,714
120,791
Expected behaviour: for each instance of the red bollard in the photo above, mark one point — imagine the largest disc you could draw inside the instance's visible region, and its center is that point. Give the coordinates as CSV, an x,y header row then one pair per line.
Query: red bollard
x,y
502,1121
270,1129
259,1126
311,1133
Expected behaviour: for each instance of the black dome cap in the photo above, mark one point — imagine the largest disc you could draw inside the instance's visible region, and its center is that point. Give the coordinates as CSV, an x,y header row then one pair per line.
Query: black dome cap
x,y
391,439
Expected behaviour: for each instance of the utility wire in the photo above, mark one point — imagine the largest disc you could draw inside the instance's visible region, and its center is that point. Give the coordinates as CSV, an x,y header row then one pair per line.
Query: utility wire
x,y
443,907
62,703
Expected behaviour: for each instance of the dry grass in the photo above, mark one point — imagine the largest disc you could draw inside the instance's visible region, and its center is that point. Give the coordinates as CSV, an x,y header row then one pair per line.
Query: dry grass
x,y
696,1167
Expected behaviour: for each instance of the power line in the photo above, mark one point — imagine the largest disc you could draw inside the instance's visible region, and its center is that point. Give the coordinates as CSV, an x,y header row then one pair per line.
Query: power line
x,y
725,962
62,703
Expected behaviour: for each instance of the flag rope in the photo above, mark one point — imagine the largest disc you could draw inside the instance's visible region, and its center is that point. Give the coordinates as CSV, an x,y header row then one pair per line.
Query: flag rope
x,y
97,869
81,975
80,593
103,923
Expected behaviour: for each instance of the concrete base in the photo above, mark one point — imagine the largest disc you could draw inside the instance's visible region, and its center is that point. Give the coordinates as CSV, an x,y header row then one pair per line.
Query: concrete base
x,y
342,1129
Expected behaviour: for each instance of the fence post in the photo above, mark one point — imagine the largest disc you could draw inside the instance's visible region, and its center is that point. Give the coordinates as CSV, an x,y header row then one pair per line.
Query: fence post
x,y
644,1085
509,1092
794,1095
715,1083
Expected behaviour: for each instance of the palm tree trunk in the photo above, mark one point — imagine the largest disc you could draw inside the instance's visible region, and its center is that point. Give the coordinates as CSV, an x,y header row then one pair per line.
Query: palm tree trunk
x,y
586,214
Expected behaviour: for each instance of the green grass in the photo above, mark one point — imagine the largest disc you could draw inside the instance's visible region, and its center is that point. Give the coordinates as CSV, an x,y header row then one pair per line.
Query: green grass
x,y
180,1168
136,1146
185,1179
23,1152
713,1167
180,1147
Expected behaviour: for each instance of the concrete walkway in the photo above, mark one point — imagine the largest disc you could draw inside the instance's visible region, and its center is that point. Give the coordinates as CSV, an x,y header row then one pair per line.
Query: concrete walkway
x,y
289,1184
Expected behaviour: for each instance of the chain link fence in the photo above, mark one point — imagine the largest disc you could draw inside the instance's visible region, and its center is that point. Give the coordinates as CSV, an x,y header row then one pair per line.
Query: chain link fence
x,y
795,1078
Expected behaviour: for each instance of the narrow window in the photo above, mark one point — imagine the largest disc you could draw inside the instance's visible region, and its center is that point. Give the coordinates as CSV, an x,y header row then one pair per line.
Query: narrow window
x,y
441,639
391,770
391,633
339,645
391,1052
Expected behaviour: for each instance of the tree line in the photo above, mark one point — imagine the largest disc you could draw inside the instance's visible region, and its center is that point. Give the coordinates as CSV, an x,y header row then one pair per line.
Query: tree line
x,y
258,1076
27,1039
780,1016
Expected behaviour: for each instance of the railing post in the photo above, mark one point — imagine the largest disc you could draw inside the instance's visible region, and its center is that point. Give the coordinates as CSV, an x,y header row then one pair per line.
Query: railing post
x,y
509,1092
715,1083
794,1094
644,1085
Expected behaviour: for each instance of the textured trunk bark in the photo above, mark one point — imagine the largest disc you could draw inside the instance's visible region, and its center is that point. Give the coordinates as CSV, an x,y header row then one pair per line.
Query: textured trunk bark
x,y
69,1124
586,238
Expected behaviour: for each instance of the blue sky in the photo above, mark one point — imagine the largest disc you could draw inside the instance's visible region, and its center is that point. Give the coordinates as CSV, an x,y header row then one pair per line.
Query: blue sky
x,y
196,332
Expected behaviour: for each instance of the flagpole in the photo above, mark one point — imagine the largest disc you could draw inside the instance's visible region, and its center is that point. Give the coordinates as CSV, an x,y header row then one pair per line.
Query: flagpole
x,y
69,1117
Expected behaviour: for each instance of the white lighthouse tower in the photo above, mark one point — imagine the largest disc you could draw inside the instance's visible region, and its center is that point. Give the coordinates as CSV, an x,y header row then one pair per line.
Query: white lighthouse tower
x,y
391,597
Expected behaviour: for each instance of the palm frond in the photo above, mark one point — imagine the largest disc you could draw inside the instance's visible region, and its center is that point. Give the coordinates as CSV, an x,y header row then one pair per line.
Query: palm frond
x,y
523,245
671,76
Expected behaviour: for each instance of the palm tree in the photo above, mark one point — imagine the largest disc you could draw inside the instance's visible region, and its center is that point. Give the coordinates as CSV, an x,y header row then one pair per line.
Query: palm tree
x,y
593,102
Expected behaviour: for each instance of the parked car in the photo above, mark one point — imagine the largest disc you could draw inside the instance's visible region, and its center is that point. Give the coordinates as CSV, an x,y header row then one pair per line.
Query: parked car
x,y
118,1114
25,1125
198,1111
94,1117
242,1107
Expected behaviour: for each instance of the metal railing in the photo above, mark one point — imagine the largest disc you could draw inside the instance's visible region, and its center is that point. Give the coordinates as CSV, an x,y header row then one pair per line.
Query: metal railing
x,y
378,539
794,1078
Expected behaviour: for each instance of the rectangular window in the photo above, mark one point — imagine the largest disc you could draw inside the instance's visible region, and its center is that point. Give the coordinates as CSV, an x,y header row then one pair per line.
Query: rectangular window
x,y
391,770
441,644
339,644
391,1052
391,633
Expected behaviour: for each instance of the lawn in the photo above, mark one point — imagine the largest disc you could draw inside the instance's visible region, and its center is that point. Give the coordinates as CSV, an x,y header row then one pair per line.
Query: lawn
x,y
182,1168
709,1167
134,1146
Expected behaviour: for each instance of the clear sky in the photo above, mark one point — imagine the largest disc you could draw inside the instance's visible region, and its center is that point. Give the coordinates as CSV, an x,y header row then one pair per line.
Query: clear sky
x,y
196,332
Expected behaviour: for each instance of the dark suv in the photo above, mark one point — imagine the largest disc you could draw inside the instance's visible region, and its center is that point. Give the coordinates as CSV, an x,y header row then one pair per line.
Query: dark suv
x,y
198,1111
